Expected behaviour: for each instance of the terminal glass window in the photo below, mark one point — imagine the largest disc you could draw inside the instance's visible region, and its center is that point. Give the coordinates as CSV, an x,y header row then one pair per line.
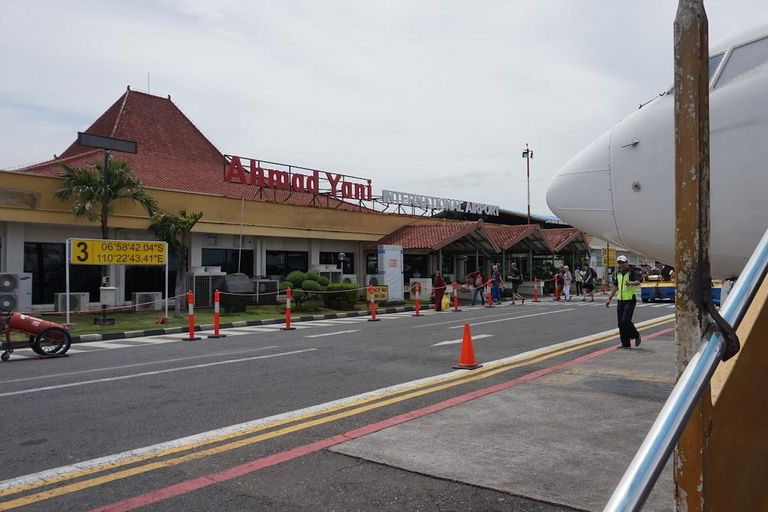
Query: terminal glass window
x,y
332,258
416,265
227,259
282,263
46,263
743,59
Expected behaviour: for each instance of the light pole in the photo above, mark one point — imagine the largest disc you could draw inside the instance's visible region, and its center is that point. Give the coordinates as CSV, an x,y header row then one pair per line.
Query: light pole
x,y
528,155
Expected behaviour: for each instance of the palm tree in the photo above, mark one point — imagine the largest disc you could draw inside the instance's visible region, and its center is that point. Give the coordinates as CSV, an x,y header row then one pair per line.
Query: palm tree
x,y
174,228
86,186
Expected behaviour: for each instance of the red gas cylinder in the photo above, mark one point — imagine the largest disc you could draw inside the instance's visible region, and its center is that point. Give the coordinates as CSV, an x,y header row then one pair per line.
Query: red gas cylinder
x,y
29,324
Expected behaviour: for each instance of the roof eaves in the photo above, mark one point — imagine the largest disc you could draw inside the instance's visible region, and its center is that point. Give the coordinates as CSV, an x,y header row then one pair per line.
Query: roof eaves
x,y
473,226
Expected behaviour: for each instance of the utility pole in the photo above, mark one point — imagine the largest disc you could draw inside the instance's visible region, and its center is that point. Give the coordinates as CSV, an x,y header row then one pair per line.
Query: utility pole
x,y
528,155
693,485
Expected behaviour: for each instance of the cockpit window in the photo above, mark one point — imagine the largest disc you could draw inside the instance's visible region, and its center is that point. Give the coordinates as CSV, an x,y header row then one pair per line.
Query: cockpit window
x,y
714,62
743,59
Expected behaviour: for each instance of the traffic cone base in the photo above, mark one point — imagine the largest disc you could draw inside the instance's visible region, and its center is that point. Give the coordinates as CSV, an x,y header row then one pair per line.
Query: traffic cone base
x,y
217,335
467,359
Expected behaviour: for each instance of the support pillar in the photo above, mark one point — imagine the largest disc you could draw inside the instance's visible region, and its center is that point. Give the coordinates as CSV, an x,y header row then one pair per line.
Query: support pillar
x,y
692,227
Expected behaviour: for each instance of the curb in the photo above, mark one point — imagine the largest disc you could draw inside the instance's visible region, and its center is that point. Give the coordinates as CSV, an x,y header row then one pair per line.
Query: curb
x,y
85,338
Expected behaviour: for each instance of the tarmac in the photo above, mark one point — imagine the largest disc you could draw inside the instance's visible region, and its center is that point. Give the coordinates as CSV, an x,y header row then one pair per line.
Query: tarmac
x,y
564,439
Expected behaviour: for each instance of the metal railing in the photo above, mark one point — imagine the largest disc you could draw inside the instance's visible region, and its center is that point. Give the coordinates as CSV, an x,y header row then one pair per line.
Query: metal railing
x,y
640,477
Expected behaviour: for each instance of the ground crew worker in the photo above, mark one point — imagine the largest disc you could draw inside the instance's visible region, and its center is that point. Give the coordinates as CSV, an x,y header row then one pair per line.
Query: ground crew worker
x,y
625,284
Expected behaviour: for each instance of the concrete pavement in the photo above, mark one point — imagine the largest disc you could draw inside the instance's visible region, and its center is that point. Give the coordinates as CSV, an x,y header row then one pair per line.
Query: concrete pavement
x,y
565,438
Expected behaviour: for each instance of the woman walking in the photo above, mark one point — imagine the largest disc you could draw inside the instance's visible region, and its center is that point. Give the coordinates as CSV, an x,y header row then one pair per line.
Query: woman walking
x,y
438,289
567,279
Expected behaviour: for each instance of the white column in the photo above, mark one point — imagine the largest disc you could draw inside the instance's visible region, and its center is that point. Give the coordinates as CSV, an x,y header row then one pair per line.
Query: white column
x,y
14,247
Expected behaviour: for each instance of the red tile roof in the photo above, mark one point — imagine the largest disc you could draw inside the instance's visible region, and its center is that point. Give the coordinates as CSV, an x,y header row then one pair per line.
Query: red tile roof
x,y
505,237
429,237
557,239
172,153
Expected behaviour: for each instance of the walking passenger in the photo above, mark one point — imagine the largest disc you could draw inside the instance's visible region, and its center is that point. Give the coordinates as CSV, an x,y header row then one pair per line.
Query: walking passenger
x,y
567,280
477,281
438,289
496,285
559,283
625,285
517,279
588,286
579,276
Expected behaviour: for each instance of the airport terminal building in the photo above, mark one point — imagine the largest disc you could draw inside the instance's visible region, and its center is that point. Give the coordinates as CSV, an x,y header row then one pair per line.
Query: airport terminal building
x,y
260,218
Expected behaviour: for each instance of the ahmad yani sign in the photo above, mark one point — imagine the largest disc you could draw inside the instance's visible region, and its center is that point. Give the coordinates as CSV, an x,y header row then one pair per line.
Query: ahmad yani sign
x,y
427,202
248,171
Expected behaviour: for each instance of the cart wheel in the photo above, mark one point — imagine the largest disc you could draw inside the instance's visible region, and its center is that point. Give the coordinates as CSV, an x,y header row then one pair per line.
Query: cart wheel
x,y
51,341
5,356
34,347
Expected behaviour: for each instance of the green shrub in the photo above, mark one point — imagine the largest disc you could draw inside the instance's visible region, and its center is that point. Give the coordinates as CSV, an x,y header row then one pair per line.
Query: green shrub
x,y
296,277
310,286
297,296
341,296
286,284
324,281
312,276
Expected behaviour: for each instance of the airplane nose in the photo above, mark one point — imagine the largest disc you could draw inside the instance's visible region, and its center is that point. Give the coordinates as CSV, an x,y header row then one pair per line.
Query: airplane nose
x,y
580,192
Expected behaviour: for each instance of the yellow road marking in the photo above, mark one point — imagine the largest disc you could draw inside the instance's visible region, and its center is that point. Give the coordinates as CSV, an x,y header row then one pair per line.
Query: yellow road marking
x,y
428,388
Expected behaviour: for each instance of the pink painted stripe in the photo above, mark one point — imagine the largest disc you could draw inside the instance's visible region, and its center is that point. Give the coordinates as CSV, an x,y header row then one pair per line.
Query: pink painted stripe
x,y
255,465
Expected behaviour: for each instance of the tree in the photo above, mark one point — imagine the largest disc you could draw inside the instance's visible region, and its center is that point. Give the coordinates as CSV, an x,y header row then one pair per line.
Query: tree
x,y
174,228
86,186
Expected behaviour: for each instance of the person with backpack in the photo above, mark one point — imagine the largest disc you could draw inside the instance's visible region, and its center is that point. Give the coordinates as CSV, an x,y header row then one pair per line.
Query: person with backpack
x,y
517,279
476,280
588,286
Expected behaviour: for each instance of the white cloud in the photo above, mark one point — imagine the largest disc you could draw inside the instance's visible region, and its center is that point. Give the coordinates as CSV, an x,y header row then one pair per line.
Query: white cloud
x,y
435,97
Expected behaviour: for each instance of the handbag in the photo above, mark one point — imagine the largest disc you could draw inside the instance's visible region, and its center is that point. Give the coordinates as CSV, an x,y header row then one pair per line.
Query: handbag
x,y
446,304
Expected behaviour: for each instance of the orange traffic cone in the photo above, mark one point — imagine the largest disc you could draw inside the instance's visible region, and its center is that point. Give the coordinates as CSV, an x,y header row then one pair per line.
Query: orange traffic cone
x,y
467,359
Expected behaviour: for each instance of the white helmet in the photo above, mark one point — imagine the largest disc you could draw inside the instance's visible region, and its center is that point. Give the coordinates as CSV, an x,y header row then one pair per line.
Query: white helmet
x,y
621,258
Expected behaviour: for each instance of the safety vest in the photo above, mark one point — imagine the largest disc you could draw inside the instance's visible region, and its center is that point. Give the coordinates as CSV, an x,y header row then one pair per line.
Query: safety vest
x,y
626,292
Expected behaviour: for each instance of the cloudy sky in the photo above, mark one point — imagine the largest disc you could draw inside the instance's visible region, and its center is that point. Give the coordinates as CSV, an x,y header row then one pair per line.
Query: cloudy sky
x,y
430,97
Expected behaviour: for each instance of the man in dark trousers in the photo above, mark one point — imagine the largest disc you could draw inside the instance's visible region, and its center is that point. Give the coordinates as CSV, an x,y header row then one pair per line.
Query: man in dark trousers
x,y
625,285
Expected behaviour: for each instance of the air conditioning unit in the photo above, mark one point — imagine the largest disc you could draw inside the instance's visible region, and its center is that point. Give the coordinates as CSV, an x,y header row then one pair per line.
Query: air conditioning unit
x,y
348,278
334,277
266,290
147,301
16,292
78,301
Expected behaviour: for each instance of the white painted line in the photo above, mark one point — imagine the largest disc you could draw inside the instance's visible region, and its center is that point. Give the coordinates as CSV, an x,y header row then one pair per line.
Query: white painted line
x,y
134,365
456,342
107,344
471,324
250,329
660,306
145,374
330,333
212,434
327,323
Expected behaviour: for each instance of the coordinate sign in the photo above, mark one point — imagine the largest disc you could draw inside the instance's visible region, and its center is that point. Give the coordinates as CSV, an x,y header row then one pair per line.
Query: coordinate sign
x,y
117,252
